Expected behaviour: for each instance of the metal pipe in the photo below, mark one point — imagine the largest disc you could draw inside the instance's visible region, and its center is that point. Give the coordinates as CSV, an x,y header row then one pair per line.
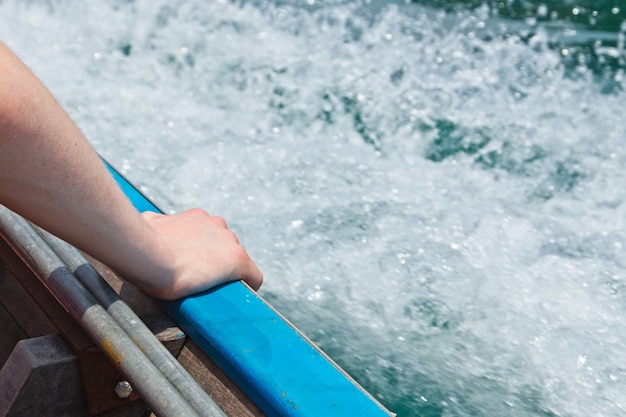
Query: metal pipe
x,y
154,389
173,371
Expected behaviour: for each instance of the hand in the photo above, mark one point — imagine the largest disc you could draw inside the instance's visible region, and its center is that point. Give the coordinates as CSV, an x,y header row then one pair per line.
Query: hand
x,y
203,254
51,175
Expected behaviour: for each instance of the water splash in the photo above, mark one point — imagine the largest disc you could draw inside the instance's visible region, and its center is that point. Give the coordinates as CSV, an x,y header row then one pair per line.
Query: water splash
x,y
435,194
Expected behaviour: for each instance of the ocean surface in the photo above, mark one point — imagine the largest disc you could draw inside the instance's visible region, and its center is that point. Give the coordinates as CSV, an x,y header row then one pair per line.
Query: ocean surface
x,y
435,190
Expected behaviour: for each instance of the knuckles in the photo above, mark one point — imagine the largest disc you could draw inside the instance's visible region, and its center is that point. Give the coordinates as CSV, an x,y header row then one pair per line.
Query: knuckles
x,y
202,215
220,221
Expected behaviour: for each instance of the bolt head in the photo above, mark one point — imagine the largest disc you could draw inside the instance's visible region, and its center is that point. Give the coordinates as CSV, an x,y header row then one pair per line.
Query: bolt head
x,y
123,389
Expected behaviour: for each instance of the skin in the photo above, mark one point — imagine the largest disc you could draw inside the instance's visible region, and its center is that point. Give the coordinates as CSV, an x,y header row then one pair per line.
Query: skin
x,y
52,176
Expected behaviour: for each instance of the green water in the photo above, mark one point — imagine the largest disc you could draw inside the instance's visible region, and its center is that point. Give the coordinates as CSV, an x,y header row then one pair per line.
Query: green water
x,y
433,189
590,33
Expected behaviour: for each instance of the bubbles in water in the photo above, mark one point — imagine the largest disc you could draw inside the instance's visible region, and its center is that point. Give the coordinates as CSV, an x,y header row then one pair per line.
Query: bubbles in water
x,y
435,195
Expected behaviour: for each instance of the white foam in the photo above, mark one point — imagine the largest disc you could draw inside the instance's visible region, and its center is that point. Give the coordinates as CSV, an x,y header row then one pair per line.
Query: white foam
x,y
494,288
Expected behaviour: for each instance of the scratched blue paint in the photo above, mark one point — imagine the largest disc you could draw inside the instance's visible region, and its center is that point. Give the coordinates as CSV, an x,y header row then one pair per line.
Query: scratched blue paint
x,y
281,372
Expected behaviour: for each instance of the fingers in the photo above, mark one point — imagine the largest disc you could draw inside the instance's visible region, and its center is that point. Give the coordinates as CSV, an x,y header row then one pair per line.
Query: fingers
x,y
210,248
150,215
254,276
194,214
219,221
250,273
255,281
202,215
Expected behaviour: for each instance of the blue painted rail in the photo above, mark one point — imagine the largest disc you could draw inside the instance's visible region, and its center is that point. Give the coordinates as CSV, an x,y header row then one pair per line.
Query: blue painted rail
x,y
273,363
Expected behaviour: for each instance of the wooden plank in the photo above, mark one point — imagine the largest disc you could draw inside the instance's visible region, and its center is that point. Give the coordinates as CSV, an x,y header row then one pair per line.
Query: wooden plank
x,y
20,318
40,378
95,369
56,314
98,376
11,334
202,368
226,394
21,306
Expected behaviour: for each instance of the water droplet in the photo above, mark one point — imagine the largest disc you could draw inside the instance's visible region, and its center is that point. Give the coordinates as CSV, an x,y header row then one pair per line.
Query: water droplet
x,y
542,10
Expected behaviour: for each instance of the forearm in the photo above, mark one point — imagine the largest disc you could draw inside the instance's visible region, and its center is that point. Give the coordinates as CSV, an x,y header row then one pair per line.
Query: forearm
x,y
52,176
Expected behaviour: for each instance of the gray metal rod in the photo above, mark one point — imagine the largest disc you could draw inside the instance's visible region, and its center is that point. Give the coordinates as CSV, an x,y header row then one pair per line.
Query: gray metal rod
x,y
173,371
154,389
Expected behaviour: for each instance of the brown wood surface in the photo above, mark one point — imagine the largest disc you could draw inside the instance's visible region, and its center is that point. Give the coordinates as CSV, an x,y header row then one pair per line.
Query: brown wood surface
x,y
216,383
19,304
29,311
11,334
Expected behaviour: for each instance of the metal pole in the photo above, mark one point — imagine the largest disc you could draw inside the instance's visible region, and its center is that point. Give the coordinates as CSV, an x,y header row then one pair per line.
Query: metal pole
x,y
153,388
173,371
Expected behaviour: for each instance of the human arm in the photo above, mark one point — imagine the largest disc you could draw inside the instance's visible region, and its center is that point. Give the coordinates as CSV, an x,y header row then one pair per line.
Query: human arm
x,y
53,177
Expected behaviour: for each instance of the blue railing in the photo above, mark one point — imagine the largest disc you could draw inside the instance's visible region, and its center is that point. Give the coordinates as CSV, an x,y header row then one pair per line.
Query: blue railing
x,y
282,372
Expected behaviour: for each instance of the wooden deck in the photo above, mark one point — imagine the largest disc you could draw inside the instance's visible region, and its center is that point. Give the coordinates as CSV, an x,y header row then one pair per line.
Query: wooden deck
x,y
50,367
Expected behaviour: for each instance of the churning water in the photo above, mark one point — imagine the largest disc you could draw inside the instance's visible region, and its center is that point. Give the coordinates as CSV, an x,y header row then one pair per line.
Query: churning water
x,y
435,191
